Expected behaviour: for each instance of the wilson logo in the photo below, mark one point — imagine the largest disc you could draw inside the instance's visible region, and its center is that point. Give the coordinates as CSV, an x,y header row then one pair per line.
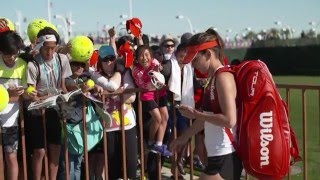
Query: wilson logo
x,y
253,84
266,124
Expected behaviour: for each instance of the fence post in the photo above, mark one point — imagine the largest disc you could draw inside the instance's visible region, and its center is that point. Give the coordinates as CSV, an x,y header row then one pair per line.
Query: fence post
x,y
46,168
86,158
66,151
105,144
123,139
304,118
1,158
141,137
23,139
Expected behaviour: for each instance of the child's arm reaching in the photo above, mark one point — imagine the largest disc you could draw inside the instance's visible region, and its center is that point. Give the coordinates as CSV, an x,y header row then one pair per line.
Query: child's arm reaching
x,y
111,84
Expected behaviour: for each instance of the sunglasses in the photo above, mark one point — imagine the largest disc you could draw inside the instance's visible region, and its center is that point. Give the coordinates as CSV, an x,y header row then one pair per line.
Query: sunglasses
x,y
169,45
108,59
77,64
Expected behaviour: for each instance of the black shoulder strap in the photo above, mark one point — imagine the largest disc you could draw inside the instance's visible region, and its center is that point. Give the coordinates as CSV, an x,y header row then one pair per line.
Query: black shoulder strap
x,y
60,65
30,58
60,62
39,70
37,65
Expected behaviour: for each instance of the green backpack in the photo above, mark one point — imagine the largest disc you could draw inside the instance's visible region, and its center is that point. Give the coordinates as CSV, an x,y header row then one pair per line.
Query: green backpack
x,y
75,133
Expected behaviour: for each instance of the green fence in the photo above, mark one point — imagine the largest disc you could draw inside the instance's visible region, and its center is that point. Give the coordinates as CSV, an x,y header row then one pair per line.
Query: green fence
x,y
295,60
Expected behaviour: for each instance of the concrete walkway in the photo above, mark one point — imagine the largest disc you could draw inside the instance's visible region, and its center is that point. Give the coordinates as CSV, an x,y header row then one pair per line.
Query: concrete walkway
x,y
166,174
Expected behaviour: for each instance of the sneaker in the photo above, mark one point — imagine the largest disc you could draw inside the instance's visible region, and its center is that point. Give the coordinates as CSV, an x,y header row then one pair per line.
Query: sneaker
x,y
163,150
152,149
180,165
198,164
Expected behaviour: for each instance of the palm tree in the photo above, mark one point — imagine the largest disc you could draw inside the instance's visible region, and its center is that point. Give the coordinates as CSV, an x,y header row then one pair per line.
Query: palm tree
x,y
252,36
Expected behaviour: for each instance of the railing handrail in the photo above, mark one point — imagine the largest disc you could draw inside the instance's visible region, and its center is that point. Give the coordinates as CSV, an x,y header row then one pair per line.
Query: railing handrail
x,y
299,86
122,91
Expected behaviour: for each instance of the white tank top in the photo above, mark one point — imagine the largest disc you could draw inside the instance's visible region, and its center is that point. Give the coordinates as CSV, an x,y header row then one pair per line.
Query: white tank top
x,y
216,140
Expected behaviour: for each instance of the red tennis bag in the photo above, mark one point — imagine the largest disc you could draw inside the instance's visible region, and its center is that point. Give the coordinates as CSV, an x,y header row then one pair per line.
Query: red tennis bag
x,y
265,140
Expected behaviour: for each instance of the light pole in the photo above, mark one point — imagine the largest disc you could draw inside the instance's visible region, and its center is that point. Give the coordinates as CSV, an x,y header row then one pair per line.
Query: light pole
x,y
49,10
279,23
314,26
105,30
65,24
123,16
18,24
122,23
228,31
130,8
64,30
189,21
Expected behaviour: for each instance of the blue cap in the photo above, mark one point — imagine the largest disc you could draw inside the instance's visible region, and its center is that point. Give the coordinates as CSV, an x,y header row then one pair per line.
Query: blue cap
x,y
105,51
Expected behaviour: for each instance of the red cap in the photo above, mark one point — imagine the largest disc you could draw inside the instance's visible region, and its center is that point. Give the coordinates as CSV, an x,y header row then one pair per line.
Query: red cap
x,y
192,51
94,58
134,26
126,52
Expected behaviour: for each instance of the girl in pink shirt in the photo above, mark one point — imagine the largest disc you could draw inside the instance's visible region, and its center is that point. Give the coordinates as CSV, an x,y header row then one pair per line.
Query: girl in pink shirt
x,y
157,109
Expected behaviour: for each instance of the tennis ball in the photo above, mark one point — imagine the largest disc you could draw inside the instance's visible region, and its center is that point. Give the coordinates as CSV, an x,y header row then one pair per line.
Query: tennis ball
x,y
90,83
81,48
34,27
4,100
30,89
10,24
52,26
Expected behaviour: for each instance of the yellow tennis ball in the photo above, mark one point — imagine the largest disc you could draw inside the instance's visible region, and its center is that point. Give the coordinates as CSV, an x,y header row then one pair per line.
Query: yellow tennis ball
x,y
30,89
81,48
52,26
34,27
10,24
90,83
4,100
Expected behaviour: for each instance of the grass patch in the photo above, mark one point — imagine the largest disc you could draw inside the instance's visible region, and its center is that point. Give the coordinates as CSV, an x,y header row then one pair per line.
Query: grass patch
x,y
312,120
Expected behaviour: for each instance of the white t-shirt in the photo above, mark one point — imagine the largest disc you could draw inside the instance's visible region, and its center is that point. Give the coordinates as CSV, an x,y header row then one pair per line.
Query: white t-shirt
x,y
50,75
12,76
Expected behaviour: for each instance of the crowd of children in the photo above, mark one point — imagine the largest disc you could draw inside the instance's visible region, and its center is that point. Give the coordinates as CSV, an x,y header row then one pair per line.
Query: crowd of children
x,y
166,76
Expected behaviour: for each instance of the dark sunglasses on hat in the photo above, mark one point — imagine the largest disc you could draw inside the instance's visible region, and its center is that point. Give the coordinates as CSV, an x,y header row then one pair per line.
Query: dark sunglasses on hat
x,y
169,45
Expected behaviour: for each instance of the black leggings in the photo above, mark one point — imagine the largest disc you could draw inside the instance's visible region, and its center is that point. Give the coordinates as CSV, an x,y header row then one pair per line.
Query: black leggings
x,y
115,153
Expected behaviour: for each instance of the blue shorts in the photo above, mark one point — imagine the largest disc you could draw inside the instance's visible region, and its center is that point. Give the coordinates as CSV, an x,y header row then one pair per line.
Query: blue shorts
x,y
182,122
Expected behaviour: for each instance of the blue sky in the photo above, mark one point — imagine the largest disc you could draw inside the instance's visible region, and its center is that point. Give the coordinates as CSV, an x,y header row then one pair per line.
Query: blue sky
x,y
158,17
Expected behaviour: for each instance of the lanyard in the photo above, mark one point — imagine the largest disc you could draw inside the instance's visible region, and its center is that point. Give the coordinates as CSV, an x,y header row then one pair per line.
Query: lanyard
x,y
54,70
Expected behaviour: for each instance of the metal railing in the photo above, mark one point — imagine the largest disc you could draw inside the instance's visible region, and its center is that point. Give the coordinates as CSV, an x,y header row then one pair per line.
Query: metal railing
x,y
287,88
